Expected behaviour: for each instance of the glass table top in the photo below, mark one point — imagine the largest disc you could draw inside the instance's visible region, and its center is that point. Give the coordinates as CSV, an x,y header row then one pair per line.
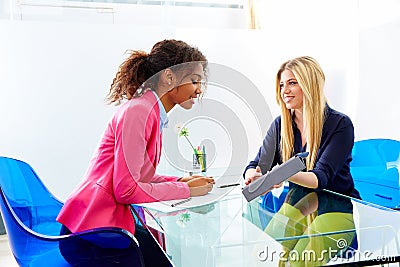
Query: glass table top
x,y
290,227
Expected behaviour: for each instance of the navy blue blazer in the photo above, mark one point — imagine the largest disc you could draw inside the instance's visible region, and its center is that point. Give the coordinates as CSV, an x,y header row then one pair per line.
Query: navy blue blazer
x,y
332,166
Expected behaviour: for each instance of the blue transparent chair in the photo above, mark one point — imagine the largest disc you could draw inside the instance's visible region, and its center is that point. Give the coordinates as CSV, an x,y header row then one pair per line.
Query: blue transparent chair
x,y
29,213
375,170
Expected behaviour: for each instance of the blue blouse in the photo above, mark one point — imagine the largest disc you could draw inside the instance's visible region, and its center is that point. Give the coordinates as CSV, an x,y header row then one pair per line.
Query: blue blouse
x,y
163,113
332,166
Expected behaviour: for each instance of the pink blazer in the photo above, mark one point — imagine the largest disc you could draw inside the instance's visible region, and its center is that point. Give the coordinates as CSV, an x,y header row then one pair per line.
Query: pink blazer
x,y
122,171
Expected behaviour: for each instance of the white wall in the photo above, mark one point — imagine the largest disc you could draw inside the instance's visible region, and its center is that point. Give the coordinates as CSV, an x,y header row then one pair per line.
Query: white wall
x,y
56,67
54,76
378,112
54,80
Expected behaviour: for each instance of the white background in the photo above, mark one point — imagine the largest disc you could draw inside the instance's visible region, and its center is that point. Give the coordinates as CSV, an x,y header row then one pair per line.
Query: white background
x,y
56,65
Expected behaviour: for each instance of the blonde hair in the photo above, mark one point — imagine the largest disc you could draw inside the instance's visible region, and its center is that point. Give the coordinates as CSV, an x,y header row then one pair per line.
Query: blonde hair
x,y
311,79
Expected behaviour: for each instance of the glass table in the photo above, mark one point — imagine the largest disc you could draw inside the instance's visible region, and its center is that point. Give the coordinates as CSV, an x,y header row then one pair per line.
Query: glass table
x,y
309,228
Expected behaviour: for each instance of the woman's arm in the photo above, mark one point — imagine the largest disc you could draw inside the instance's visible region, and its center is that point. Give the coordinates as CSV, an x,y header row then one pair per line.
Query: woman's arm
x,y
334,151
250,168
267,155
133,176
306,179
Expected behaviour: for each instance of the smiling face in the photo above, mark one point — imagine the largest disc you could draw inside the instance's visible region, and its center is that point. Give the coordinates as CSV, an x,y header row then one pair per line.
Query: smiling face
x,y
291,92
189,88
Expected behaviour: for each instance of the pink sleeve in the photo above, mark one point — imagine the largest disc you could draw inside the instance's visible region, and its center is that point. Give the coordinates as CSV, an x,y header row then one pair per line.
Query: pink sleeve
x,y
165,178
132,160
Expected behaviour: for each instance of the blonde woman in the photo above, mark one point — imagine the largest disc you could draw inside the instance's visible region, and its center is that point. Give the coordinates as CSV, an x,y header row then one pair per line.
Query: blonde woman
x,y
307,123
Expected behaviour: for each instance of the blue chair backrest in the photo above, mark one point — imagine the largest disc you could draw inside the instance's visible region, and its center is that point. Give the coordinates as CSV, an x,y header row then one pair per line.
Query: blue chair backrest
x,y
25,244
101,247
375,170
376,161
29,212
34,205
376,153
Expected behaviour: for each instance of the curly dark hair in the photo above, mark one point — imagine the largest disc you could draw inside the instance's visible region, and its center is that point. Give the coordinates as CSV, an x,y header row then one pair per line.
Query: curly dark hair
x,y
140,66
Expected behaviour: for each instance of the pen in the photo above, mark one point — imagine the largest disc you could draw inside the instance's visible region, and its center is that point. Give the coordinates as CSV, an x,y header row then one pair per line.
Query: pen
x,y
228,185
180,202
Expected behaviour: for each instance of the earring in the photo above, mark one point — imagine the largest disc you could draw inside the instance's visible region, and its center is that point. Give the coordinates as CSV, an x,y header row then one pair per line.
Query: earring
x,y
169,83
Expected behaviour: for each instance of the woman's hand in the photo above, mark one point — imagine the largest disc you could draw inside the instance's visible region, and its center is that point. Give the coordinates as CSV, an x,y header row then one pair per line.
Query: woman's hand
x,y
200,181
252,175
188,178
200,186
277,185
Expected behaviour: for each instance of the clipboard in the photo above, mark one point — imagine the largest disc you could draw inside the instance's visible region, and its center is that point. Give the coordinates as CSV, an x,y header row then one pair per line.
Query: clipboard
x,y
277,175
